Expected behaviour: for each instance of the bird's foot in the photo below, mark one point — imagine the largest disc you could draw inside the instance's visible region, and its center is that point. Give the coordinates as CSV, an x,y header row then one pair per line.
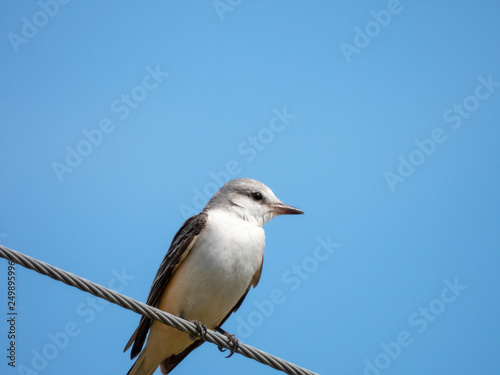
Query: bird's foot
x,y
201,330
233,342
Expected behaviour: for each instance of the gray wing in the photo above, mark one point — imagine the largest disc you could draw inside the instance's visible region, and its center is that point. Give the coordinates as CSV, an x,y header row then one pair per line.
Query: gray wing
x,y
179,248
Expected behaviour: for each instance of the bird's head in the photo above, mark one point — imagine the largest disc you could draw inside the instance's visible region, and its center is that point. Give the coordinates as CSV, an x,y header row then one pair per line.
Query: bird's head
x,y
251,200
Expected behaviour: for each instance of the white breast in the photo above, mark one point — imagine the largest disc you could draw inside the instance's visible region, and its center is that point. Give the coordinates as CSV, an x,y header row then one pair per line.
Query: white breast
x,y
225,258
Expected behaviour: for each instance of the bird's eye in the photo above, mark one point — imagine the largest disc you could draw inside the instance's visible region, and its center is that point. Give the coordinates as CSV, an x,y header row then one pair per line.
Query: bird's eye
x,y
257,196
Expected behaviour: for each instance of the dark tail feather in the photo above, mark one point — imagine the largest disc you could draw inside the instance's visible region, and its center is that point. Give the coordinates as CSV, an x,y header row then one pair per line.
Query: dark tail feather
x,y
169,363
138,337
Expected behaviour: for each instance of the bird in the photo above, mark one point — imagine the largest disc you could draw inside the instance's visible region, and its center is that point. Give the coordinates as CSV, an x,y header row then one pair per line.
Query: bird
x,y
213,261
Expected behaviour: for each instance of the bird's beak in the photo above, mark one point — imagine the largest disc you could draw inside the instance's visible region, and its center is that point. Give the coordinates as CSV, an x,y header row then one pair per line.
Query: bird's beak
x,y
283,209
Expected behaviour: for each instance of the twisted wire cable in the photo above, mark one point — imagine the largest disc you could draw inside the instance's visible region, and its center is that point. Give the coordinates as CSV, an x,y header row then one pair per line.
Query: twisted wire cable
x,y
148,311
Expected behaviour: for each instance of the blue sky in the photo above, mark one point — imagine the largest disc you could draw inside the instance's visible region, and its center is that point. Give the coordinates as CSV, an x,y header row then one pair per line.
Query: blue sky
x,y
380,121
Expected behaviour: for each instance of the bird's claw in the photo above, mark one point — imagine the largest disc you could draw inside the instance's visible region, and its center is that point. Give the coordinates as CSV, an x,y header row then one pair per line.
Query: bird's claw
x,y
233,343
201,330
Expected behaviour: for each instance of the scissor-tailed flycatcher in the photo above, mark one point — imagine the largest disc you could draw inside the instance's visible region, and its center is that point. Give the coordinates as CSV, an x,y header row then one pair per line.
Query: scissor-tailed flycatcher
x,y
214,259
